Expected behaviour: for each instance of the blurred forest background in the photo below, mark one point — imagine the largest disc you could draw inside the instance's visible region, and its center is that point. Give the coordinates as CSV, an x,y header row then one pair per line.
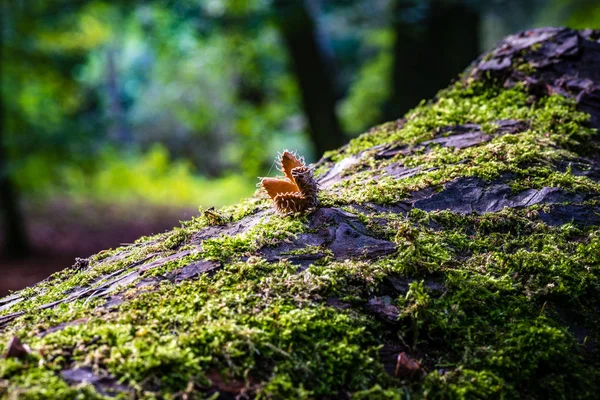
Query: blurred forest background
x,y
120,118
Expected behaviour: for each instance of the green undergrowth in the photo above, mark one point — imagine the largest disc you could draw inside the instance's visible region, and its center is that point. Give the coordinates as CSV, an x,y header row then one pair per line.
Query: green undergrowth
x,y
499,305
114,176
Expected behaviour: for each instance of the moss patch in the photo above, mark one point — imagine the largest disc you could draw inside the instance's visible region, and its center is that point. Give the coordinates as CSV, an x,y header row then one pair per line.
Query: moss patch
x,y
557,132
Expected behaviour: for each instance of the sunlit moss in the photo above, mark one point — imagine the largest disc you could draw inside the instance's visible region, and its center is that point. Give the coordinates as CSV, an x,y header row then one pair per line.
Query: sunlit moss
x,y
556,132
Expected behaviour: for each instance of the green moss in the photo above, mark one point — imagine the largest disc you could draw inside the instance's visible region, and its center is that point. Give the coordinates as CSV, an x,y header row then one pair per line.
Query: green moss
x,y
225,214
146,250
378,393
196,327
465,384
259,321
60,284
526,68
40,384
175,239
536,46
557,130
265,233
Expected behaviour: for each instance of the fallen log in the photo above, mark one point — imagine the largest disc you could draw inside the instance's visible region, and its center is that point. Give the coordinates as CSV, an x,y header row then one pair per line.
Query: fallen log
x,y
454,253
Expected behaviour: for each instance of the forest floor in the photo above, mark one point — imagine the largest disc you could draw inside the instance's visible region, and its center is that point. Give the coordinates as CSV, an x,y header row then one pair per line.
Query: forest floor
x,y
62,230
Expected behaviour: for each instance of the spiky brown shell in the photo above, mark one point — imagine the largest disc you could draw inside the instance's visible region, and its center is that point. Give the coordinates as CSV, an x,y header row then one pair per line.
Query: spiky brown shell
x,y
297,190
304,179
291,203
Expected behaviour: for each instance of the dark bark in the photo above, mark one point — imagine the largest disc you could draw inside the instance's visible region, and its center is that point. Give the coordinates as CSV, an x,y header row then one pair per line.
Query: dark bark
x,y
314,77
12,223
428,53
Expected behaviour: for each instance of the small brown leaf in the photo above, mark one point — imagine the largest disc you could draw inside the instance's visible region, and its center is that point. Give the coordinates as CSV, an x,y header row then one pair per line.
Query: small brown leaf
x,y
16,349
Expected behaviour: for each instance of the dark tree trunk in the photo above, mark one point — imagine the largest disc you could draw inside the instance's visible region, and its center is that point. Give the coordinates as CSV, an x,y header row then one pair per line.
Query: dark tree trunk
x,y
431,51
16,242
119,129
314,77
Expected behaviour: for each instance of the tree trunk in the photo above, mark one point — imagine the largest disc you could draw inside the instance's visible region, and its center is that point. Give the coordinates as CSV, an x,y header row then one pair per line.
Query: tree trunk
x,y
455,253
16,242
119,130
315,79
429,52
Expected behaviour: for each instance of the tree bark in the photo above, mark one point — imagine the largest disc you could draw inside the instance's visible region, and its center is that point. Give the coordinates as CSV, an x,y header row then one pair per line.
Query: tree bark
x,y
16,241
315,79
119,130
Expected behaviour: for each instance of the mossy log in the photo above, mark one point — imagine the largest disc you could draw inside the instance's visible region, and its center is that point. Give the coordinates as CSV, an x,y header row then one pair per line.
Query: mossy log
x,y
455,253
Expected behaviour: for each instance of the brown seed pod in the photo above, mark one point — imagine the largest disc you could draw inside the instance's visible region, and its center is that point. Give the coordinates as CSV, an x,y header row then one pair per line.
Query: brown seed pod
x,y
296,191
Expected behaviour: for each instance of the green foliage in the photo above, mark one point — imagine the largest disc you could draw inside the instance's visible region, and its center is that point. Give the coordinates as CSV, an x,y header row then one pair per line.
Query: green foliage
x,y
149,178
91,88
576,14
153,178
46,111
97,75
